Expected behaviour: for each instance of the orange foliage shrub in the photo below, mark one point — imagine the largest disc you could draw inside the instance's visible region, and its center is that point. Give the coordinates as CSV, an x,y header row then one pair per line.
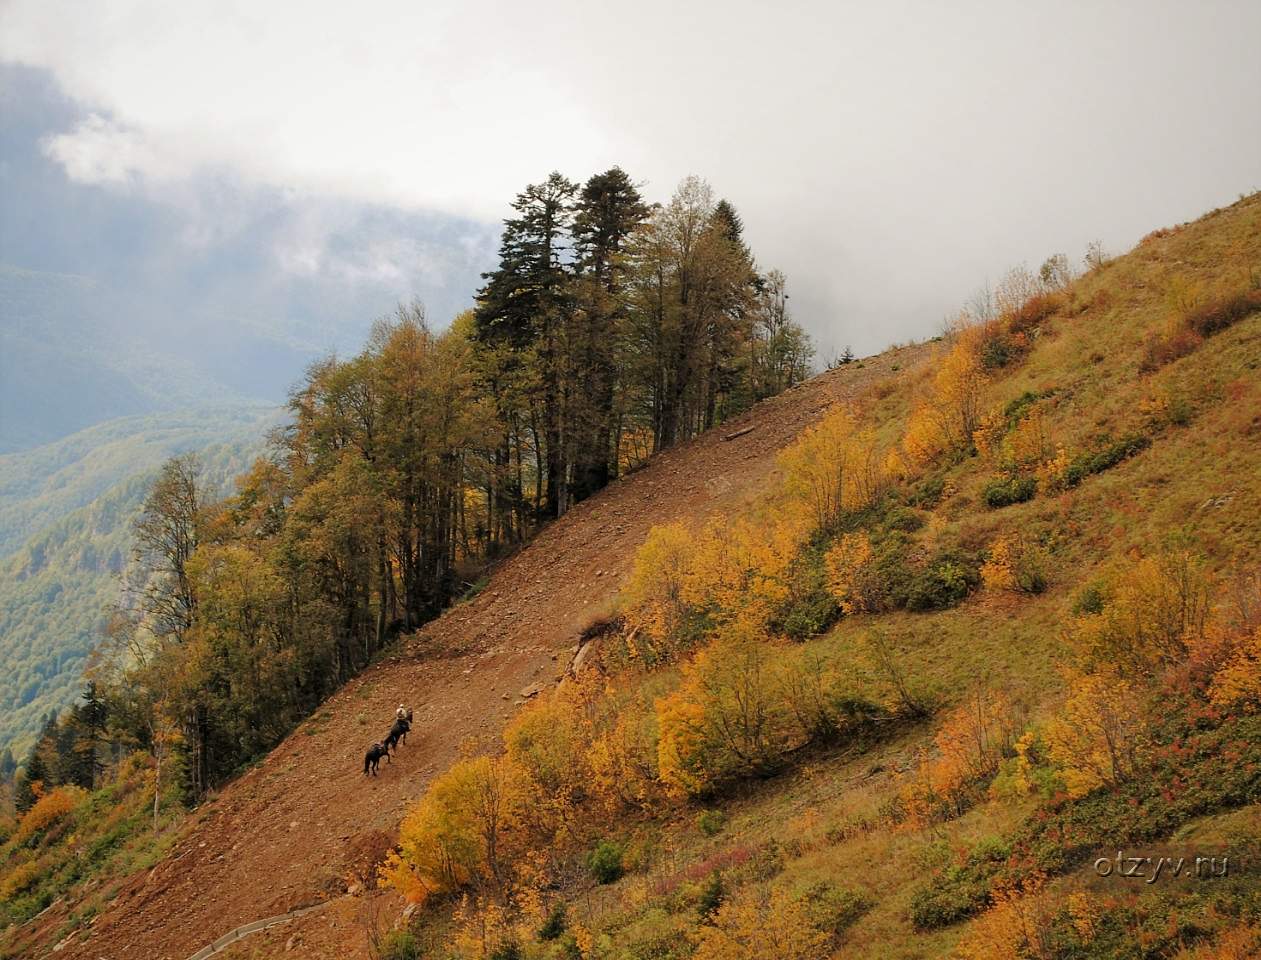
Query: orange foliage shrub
x,y
1034,312
47,810
971,743
1237,684
1017,927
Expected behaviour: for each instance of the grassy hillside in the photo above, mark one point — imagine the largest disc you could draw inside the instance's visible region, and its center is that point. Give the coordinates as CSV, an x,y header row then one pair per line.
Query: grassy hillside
x,y
65,515
907,728
896,718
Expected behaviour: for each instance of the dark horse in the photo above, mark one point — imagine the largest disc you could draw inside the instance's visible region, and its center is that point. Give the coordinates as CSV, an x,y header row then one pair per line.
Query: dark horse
x,y
397,732
373,757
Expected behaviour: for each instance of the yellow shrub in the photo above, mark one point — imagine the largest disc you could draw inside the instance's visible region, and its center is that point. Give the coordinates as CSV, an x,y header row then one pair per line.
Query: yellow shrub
x,y
622,756
833,468
1053,473
924,440
653,596
19,879
546,742
753,925
459,830
1014,566
726,720
740,572
1241,942
1029,443
989,434
1098,737
948,416
1156,611
851,574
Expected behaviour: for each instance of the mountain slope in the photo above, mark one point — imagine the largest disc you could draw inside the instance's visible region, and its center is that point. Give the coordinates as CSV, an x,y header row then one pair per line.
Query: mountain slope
x,y
284,834
1106,366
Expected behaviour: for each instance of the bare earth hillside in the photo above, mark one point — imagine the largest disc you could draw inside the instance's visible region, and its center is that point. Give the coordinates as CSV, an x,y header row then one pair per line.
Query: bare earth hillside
x,y
294,831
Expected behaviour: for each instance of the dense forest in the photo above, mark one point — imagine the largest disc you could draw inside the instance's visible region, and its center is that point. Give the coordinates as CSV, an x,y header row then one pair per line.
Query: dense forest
x,y
611,329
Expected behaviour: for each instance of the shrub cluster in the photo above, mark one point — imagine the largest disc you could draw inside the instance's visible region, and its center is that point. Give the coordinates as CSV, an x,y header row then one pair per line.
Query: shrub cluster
x,y
1005,491
1197,323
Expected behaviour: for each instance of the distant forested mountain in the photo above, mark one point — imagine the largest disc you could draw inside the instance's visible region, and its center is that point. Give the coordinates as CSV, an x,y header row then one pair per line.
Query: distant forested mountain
x,y
66,510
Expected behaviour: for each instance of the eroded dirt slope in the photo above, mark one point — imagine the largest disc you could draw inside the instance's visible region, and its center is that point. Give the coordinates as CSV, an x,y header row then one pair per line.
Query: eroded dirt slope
x,y
289,832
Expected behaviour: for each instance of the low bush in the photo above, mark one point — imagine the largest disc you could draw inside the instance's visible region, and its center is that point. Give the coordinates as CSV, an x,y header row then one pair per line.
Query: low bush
x,y
1005,491
945,582
554,925
399,945
1086,464
1217,315
833,910
960,890
712,896
711,822
1034,312
1161,349
605,861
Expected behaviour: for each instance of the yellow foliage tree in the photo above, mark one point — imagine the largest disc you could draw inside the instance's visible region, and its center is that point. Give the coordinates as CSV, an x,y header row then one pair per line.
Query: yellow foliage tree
x,y
546,742
653,598
459,831
948,415
740,572
851,574
1157,609
621,755
835,467
1098,737
755,925
725,720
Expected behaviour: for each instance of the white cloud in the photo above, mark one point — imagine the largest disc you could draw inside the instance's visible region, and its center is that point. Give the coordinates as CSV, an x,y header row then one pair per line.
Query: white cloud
x,y
889,156
98,150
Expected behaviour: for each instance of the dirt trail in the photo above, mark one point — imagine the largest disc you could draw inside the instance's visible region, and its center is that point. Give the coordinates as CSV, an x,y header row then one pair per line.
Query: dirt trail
x,y
287,834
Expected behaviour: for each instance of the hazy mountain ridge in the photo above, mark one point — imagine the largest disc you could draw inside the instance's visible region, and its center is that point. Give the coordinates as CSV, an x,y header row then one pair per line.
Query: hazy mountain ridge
x,y
63,368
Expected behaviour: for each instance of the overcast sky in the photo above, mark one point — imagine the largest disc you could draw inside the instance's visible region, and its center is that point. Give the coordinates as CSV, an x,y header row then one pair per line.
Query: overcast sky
x,y
889,157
